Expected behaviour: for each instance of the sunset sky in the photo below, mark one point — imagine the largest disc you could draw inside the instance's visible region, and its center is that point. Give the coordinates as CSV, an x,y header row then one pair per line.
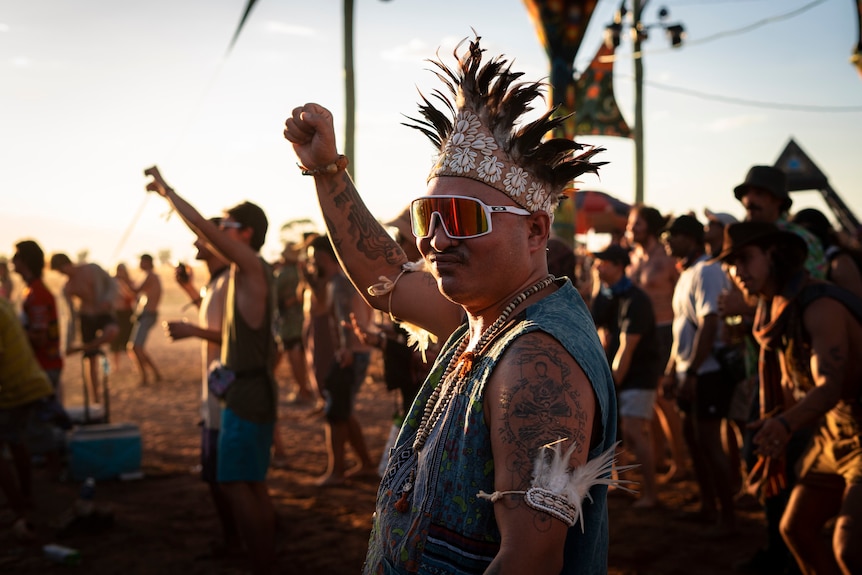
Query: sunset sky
x,y
94,91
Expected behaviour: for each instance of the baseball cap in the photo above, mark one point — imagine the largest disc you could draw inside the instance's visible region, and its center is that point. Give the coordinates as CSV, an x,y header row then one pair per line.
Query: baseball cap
x,y
614,253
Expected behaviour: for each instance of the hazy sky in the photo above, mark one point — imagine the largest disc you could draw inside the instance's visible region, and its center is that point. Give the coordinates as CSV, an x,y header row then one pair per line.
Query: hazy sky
x,y
94,91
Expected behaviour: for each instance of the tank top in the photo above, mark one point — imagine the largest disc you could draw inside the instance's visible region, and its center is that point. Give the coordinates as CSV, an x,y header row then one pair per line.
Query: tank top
x,y
250,354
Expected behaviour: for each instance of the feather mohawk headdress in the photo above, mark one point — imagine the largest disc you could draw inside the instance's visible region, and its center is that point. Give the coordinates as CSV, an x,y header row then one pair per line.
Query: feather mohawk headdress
x,y
481,141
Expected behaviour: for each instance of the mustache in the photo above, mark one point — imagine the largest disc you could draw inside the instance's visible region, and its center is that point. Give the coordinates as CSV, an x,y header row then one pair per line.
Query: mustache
x,y
453,254
753,208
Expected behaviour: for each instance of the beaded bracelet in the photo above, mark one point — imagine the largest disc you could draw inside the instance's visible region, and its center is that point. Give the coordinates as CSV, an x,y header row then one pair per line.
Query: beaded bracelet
x,y
334,167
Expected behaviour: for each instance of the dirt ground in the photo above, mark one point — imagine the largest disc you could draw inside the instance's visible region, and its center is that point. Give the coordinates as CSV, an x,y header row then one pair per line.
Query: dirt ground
x,y
164,523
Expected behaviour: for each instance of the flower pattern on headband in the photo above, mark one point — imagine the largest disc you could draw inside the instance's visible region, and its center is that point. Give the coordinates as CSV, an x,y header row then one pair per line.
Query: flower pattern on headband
x,y
472,152
462,160
464,147
491,169
536,197
516,181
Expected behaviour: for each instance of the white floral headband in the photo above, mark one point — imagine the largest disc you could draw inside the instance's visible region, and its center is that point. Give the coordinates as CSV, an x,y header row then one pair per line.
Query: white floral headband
x,y
472,152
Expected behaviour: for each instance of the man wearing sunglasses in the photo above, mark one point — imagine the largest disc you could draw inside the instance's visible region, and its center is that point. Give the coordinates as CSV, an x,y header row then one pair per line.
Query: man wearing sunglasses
x,y
248,387
480,477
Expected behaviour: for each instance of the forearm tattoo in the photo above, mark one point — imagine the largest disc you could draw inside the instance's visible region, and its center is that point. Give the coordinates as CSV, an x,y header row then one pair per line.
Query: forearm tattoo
x,y
364,231
541,407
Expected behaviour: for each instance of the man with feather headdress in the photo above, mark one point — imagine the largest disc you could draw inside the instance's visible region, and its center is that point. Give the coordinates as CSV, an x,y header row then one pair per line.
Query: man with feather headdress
x,y
502,463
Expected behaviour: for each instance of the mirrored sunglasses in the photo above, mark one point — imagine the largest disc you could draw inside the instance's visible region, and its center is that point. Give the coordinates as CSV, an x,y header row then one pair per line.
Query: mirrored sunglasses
x,y
462,217
225,224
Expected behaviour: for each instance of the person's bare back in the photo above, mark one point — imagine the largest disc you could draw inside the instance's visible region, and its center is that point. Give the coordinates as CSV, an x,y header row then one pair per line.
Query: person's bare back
x,y
92,287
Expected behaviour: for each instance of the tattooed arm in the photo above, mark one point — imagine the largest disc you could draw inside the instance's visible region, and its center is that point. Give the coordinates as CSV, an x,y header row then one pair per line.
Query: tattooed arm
x,y
825,321
364,248
536,395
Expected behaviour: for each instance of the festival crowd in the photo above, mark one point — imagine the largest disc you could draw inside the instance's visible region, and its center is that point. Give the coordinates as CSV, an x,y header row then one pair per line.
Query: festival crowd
x,y
534,375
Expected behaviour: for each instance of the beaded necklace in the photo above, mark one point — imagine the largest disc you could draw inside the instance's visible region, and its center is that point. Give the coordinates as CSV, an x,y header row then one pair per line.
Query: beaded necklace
x,y
439,399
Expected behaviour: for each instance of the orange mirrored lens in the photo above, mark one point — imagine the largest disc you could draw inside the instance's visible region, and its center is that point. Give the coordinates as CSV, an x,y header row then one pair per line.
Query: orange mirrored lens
x,y
461,217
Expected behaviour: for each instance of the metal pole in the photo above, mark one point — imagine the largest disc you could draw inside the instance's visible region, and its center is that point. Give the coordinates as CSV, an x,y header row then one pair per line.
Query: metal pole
x,y
349,88
639,124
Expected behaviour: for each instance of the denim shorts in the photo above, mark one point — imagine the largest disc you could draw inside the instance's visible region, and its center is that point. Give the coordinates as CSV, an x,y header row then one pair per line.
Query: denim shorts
x,y
143,324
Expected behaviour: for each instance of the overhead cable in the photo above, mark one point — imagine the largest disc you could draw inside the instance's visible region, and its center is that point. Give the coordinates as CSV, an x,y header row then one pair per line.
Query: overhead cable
x,y
745,102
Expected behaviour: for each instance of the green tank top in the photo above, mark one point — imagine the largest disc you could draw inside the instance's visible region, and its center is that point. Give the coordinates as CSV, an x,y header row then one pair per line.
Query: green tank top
x,y
250,354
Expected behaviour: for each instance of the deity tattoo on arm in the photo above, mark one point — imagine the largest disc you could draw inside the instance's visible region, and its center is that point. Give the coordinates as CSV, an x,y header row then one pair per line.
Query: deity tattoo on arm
x,y
540,406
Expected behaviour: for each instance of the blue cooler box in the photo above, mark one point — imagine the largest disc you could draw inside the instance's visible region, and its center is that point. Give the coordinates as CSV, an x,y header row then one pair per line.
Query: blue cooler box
x,y
104,451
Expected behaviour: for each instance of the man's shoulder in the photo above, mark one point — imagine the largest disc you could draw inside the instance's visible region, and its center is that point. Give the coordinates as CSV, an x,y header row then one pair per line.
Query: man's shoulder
x,y
37,286
92,268
638,297
821,294
708,271
39,293
536,346
566,321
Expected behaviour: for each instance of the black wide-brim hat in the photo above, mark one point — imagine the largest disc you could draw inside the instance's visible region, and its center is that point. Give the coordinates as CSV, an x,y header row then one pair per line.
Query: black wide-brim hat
x,y
766,178
764,234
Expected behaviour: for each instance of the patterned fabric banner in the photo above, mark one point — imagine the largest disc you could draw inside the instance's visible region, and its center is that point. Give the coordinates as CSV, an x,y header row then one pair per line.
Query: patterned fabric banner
x,y
597,111
560,25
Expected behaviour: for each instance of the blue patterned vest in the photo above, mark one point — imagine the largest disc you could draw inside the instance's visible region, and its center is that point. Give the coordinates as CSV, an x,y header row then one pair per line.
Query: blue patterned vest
x,y
448,529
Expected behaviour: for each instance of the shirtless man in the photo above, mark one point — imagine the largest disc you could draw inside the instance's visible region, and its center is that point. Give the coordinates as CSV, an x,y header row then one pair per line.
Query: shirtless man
x,y
90,293
655,272
149,294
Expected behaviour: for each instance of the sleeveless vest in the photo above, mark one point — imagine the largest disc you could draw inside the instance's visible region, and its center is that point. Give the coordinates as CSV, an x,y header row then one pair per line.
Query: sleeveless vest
x,y
448,529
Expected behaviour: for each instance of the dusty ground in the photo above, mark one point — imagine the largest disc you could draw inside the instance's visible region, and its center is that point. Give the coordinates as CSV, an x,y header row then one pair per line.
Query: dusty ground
x,y
164,522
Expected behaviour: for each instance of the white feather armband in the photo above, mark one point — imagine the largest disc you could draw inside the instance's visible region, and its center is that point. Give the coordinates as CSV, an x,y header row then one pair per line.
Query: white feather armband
x,y
560,490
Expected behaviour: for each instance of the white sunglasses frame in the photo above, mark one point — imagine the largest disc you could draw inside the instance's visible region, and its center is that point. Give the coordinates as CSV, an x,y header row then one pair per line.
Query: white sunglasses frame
x,y
489,211
230,224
